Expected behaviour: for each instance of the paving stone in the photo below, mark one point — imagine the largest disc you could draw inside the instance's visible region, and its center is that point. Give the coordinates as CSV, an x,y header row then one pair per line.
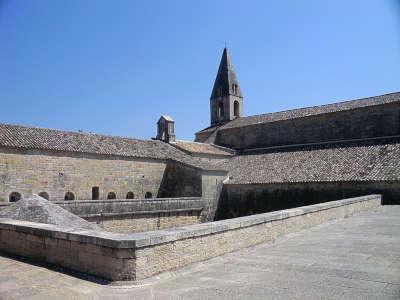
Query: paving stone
x,y
354,258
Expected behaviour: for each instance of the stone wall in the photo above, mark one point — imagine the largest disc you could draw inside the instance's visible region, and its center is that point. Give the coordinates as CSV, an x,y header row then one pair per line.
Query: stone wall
x,y
141,255
136,215
128,216
87,208
212,184
180,180
367,122
34,171
141,222
241,200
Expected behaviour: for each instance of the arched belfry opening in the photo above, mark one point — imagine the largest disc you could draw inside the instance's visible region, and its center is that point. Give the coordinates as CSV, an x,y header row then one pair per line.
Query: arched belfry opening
x,y
234,89
236,109
226,99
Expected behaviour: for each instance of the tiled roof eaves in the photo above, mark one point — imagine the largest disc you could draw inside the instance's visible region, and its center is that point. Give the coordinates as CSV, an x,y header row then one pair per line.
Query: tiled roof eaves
x,y
364,163
32,138
84,152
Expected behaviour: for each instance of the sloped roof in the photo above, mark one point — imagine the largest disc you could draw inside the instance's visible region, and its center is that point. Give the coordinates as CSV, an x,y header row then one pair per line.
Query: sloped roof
x,y
352,163
39,210
311,111
167,118
203,148
16,136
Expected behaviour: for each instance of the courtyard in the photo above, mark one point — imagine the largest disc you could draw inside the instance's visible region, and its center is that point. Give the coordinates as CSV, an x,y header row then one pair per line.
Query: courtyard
x,y
352,258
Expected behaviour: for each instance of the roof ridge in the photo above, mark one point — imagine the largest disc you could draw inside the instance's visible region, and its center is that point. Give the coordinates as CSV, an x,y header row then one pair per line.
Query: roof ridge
x,y
210,144
78,132
322,105
236,122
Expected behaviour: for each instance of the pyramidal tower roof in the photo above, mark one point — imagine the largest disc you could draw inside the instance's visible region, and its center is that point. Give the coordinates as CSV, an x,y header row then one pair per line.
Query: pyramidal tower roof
x,y
226,78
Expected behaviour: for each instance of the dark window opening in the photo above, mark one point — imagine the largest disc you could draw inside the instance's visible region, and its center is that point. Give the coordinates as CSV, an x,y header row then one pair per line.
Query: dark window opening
x,y
220,110
44,195
234,89
236,109
95,193
148,195
69,196
111,195
130,195
14,197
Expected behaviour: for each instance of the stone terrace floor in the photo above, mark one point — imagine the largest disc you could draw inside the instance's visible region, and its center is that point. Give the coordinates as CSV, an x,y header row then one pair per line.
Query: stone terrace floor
x,y
354,258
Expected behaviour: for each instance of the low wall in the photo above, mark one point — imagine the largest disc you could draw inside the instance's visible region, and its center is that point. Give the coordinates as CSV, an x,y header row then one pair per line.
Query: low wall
x,y
86,208
146,221
136,215
141,255
239,200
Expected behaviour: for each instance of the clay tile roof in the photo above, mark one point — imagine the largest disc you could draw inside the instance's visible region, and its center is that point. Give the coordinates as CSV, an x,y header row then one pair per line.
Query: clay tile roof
x,y
311,111
16,136
203,148
354,163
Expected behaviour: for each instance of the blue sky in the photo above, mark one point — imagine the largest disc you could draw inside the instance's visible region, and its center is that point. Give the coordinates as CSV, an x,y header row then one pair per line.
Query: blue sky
x,y
114,67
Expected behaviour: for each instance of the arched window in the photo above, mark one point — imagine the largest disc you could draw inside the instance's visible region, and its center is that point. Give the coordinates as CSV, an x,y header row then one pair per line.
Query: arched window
x,y
236,109
220,110
69,196
234,89
14,197
130,195
44,195
111,195
148,195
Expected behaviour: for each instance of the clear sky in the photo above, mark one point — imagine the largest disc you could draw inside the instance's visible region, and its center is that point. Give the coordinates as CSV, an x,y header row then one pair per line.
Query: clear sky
x,y
114,67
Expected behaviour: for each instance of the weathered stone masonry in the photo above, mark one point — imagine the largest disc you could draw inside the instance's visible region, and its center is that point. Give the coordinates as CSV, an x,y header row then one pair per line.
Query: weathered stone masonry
x,y
33,171
138,256
364,122
135,215
138,215
239,200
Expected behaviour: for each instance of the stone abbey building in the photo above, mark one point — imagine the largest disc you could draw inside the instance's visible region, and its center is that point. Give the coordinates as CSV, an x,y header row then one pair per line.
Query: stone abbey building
x,y
239,165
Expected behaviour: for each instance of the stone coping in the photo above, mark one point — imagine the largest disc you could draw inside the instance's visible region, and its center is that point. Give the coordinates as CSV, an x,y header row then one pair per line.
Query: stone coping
x,y
151,238
71,202
110,201
143,212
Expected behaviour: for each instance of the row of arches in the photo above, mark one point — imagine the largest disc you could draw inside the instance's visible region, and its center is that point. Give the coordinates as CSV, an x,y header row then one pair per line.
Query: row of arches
x,y
15,196
110,195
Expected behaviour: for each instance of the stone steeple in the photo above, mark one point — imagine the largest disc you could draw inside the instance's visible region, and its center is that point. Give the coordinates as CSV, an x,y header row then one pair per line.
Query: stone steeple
x,y
226,100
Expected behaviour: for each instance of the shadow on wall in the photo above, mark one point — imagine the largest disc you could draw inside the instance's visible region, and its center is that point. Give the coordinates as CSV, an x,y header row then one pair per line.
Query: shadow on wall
x,y
180,180
244,200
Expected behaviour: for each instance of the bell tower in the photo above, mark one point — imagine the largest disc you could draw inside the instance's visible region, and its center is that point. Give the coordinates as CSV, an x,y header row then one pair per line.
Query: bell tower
x,y
226,101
